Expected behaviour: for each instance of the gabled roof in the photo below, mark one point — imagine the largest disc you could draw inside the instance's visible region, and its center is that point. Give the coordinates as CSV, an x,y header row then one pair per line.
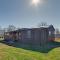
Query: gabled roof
x,y
51,27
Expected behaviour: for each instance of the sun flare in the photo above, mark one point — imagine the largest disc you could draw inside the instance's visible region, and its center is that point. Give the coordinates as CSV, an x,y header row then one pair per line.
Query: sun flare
x,y
35,2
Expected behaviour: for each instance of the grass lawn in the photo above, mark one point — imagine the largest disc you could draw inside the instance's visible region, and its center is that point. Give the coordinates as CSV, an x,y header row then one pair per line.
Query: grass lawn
x,y
13,53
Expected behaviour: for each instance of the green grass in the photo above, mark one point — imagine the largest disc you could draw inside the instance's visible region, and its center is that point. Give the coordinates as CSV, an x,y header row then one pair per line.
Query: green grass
x,y
13,53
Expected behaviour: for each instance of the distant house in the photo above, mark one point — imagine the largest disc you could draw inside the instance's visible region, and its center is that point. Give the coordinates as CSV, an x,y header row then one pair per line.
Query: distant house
x,y
35,36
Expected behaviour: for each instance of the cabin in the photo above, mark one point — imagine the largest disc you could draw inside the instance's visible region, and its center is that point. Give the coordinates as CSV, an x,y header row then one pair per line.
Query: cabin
x,y
34,36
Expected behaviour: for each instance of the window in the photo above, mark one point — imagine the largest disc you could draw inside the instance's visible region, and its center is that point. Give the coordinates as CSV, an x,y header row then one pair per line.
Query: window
x,y
49,33
29,34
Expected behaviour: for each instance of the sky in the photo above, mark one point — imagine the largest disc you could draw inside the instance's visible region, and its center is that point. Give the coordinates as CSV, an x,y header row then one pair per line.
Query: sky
x,y
21,13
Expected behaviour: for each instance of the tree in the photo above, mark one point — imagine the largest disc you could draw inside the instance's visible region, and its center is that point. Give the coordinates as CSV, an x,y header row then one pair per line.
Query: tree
x,y
11,28
42,24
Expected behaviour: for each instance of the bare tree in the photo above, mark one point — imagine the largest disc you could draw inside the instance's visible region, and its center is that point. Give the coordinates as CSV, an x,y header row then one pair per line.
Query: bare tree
x,y
42,24
1,31
11,28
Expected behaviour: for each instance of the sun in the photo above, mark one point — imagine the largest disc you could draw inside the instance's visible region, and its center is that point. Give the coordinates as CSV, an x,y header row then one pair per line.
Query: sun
x,y
35,2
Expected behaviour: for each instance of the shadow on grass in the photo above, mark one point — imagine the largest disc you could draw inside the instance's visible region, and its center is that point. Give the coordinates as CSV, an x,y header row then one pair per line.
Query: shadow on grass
x,y
44,49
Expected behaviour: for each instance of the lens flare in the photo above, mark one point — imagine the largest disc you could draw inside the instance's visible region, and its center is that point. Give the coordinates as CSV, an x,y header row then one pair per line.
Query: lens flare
x,y
35,2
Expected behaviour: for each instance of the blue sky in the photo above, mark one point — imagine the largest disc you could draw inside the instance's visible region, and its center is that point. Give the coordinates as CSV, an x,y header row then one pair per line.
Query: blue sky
x,y
21,14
